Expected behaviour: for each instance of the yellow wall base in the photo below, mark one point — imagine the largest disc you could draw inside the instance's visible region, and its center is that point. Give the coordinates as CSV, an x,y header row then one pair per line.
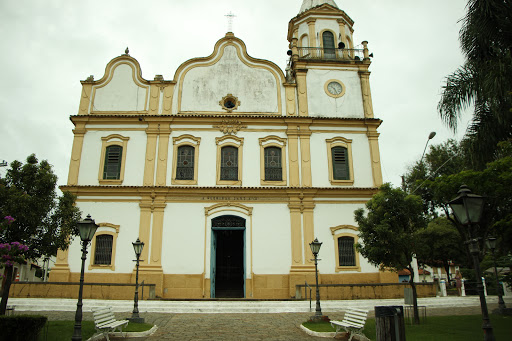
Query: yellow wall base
x,y
170,286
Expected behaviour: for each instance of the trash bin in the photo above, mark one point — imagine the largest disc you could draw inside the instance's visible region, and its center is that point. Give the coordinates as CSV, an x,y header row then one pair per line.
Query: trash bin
x,y
389,323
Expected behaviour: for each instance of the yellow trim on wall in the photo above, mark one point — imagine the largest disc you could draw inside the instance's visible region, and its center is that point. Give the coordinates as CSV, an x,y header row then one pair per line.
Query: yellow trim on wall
x,y
106,142
230,141
185,140
113,230
273,141
336,236
340,142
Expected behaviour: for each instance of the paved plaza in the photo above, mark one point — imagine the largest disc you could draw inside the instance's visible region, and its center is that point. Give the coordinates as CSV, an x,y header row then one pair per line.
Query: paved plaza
x,y
237,320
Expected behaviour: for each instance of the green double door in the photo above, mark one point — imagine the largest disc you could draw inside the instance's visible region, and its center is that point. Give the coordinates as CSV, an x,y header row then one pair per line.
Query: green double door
x,y
228,257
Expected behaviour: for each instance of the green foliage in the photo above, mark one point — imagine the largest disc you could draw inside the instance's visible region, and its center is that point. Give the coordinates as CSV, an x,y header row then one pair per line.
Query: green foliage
x,y
445,167
43,220
485,79
442,328
389,230
63,330
21,327
440,244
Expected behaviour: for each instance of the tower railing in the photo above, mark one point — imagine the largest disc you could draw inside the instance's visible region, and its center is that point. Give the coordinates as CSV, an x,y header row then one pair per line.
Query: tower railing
x,y
320,53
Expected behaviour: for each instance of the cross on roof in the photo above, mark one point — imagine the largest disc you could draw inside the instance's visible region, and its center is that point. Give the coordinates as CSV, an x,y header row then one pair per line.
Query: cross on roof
x,y
230,17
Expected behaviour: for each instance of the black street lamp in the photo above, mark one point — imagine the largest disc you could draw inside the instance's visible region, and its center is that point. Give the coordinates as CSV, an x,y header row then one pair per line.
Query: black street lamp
x,y
467,209
87,229
315,248
491,244
137,247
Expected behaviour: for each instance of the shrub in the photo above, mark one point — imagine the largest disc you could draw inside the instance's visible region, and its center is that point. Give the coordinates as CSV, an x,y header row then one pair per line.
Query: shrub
x,y
21,327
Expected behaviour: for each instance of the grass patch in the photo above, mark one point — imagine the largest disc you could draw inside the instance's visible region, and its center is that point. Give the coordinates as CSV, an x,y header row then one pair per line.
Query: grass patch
x,y
437,328
63,330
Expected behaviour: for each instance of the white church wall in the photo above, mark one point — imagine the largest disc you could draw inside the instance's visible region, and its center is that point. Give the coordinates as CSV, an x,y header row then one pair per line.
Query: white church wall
x,y
122,93
183,238
360,159
271,239
91,157
127,216
332,215
203,87
322,105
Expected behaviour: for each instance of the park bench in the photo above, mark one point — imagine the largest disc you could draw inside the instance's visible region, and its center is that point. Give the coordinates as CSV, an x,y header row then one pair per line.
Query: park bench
x,y
105,321
353,322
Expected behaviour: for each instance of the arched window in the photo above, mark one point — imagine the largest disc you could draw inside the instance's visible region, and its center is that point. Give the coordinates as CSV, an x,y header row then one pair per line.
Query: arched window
x,y
273,167
185,163
346,251
103,249
340,163
113,158
229,163
328,44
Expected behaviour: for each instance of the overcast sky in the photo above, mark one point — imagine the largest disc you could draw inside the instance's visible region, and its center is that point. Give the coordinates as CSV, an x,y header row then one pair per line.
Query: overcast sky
x,y
49,46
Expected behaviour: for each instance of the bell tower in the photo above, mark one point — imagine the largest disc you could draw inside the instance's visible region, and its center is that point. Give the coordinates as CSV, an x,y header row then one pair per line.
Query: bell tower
x,y
330,71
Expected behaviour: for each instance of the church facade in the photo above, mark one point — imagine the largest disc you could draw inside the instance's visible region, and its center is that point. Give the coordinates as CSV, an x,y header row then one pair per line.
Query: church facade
x,y
231,169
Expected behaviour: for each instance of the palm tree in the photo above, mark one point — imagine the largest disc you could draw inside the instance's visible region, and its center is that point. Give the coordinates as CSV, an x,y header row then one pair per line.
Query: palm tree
x,y
485,79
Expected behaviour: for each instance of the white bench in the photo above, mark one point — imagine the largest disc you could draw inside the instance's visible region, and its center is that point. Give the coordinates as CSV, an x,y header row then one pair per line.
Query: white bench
x,y
353,322
105,321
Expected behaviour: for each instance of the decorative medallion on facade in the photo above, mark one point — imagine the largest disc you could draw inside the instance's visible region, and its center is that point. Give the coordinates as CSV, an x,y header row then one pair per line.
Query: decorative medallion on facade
x,y
229,103
230,127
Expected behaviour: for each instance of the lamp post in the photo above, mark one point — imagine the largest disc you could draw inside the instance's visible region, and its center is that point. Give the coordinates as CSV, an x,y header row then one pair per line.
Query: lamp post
x,y
87,229
315,248
137,247
491,244
430,137
467,209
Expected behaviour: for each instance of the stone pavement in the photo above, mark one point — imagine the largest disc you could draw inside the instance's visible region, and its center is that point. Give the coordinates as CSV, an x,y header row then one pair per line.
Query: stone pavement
x,y
178,324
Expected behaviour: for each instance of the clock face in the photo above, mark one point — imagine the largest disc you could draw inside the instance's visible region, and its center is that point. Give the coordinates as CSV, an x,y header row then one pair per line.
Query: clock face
x,y
334,88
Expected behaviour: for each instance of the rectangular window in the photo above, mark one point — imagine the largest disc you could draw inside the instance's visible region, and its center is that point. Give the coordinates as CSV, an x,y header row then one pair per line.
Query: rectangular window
x,y
103,250
273,168
113,157
229,163
340,166
185,163
346,251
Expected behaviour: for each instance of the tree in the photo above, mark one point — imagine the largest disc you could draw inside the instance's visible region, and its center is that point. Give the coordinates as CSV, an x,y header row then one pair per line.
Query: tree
x,y
42,221
389,231
440,244
485,79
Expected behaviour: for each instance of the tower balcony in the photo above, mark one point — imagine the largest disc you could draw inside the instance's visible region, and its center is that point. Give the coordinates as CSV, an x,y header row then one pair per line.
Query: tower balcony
x,y
329,54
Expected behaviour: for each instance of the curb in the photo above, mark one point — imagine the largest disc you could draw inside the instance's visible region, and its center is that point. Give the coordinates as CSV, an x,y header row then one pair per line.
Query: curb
x,y
128,334
317,334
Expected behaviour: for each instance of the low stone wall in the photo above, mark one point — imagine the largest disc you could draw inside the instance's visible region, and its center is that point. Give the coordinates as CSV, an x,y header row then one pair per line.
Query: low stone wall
x,y
364,291
106,291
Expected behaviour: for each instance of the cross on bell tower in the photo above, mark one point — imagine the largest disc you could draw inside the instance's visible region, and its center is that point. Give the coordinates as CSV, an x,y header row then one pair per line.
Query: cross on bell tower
x,y
230,17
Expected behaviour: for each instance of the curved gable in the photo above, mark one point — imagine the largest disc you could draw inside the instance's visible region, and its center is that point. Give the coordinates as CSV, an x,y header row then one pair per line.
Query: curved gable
x,y
121,89
255,85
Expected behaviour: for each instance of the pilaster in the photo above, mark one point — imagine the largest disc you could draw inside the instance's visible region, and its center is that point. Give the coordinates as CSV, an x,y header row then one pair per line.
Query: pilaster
x,y
367,95
149,167
373,141
302,92
163,152
76,153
